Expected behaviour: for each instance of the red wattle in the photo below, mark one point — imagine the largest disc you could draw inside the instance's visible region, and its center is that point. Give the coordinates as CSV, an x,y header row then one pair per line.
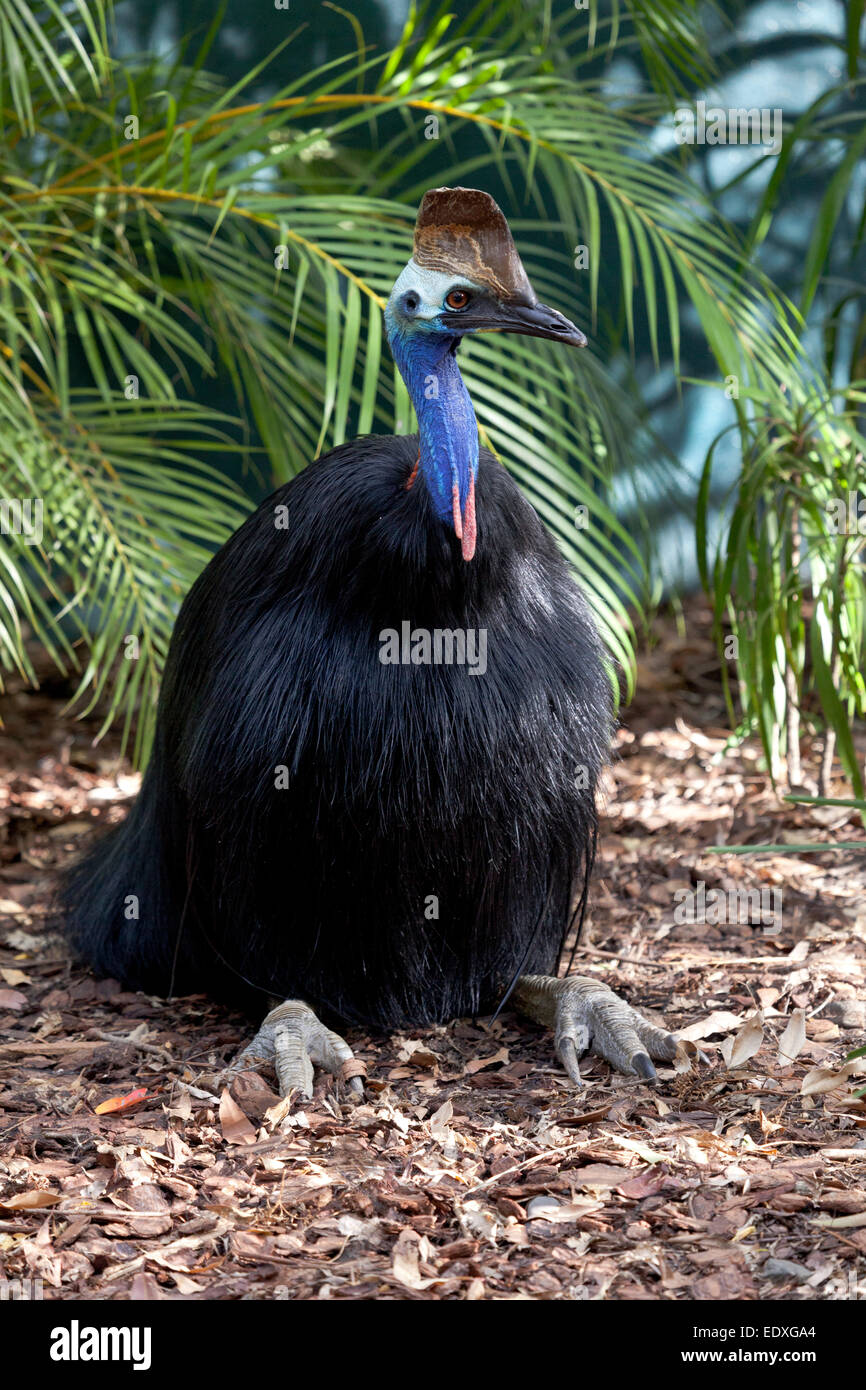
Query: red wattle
x,y
469,528
458,520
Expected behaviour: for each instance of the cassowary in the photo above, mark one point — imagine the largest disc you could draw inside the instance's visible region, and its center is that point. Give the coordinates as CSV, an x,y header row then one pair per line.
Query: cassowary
x,y
383,716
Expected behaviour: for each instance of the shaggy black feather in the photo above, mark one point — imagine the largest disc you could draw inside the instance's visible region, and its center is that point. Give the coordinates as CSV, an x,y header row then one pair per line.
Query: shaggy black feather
x,y
405,783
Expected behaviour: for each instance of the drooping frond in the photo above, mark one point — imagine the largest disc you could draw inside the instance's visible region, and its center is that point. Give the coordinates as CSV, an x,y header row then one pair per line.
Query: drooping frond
x,y
157,229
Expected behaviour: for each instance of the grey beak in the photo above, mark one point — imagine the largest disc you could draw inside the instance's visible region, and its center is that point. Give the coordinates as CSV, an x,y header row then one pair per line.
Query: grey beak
x,y
532,321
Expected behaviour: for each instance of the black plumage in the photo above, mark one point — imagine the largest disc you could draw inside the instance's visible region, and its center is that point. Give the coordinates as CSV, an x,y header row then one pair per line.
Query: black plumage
x,y
403,784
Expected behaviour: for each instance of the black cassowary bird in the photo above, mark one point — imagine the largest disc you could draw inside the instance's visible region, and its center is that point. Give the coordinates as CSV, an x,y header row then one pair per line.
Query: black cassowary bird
x,y
384,712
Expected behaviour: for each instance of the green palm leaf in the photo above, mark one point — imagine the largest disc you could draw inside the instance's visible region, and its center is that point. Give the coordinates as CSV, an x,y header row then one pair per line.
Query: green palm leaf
x,y
149,259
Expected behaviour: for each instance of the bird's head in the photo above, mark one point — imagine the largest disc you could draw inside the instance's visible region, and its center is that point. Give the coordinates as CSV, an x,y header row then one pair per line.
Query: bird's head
x,y
465,276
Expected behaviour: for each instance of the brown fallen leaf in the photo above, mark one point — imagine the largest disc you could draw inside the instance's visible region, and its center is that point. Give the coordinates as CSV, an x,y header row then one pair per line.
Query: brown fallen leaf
x,y
145,1288
645,1184
15,977
719,1022
599,1175
236,1128
571,1211
29,1201
416,1054
253,1094
440,1121
514,1232
636,1146
702,1147
479,1063
12,999
407,1254
821,1079
686,1051
793,1040
737,1051
586,1117
183,1284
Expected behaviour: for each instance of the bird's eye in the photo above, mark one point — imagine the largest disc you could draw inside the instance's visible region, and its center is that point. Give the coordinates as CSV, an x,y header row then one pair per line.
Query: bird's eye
x,y
410,303
457,299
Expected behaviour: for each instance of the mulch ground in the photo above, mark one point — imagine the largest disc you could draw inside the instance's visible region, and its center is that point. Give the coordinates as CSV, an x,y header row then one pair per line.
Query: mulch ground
x,y
472,1170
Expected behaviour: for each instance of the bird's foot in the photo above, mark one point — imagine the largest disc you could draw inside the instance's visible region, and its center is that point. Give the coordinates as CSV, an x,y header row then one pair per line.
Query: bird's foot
x,y
586,1016
292,1040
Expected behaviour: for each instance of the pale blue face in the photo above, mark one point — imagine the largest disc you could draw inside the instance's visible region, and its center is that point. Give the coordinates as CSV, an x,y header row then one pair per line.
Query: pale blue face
x,y
420,298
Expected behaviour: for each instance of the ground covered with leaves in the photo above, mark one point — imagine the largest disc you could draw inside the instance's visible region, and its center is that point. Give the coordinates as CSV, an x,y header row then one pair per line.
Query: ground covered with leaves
x,y
472,1170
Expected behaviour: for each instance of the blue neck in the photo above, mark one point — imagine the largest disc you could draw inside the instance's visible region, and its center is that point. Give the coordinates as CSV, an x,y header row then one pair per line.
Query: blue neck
x,y
446,420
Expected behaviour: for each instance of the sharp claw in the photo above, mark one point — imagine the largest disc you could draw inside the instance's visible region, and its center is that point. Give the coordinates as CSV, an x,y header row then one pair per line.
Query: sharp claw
x,y
570,1060
642,1065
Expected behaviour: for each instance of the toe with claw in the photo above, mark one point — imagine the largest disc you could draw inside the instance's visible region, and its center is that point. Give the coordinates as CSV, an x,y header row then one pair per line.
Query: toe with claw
x,y
586,1016
293,1040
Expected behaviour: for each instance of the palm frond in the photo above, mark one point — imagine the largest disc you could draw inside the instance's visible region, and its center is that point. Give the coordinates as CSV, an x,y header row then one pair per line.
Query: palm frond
x,y
255,242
